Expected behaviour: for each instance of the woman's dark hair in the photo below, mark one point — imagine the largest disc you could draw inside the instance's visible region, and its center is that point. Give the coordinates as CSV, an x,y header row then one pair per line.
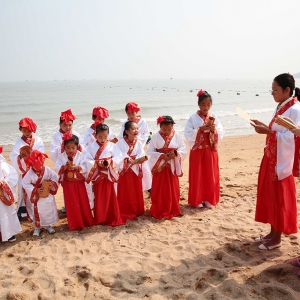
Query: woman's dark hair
x,y
167,120
204,96
287,80
61,121
74,140
127,126
102,127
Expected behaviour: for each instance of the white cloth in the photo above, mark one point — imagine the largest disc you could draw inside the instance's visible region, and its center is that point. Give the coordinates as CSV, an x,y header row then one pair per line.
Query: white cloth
x,y
157,142
2,158
9,222
285,143
143,131
55,146
46,206
38,145
89,137
192,125
78,160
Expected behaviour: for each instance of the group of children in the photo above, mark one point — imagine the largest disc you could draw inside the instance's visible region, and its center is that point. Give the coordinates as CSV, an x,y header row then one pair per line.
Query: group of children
x,y
103,177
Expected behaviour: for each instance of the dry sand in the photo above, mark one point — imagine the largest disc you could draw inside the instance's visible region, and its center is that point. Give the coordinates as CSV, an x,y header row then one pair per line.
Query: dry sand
x,y
205,254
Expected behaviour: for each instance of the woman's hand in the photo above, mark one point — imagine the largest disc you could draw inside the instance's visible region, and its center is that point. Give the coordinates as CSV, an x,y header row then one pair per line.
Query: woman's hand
x,y
256,122
295,131
262,129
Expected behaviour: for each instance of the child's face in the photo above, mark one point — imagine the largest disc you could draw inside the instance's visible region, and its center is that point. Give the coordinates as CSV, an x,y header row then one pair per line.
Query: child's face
x,y
102,136
27,133
166,129
66,127
133,130
131,116
70,148
205,106
102,120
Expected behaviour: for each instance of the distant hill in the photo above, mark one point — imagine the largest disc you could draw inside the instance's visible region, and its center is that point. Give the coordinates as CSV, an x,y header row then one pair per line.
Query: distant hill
x,y
297,75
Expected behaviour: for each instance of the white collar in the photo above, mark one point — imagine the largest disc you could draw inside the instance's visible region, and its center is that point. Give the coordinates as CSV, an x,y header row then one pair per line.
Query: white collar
x,y
284,102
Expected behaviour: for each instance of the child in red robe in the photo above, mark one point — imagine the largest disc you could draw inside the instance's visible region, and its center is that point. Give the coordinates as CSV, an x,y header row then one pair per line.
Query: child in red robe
x,y
71,168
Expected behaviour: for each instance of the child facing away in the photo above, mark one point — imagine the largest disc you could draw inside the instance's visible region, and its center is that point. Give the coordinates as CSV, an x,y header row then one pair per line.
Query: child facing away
x,y
132,110
130,189
22,148
203,132
99,115
102,159
9,222
71,168
40,184
166,152
65,125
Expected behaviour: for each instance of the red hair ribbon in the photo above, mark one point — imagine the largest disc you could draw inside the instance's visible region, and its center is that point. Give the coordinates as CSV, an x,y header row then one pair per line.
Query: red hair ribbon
x,y
132,107
201,92
28,124
36,159
160,119
1,149
67,136
100,112
67,116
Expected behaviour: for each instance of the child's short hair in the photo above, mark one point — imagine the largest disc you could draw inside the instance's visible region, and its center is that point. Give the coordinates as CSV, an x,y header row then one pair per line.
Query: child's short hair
x,y
74,139
167,120
102,127
127,126
203,96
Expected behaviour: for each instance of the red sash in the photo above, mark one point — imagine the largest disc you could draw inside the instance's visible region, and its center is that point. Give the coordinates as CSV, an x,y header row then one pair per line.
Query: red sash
x,y
10,200
271,140
29,142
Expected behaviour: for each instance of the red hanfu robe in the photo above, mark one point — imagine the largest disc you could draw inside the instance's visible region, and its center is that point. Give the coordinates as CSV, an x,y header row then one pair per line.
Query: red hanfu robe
x,y
276,190
165,192
130,189
76,199
106,206
204,173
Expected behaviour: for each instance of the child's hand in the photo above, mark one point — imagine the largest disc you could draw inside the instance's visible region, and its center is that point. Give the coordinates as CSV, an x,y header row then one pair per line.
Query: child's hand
x,y
40,190
205,127
213,128
171,155
166,157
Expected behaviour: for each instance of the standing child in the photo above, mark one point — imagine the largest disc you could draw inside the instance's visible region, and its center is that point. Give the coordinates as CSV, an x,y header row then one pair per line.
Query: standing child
x,y
276,190
40,184
99,115
130,189
23,146
101,157
132,110
9,223
203,131
71,168
166,152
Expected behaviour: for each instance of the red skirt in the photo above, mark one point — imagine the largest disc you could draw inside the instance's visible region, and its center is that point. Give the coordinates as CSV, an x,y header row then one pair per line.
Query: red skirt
x,y
165,195
130,195
204,177
106,206
276,200
77,205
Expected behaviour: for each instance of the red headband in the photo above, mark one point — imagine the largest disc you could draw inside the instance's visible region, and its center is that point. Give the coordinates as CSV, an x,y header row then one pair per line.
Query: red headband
x,y
28,124
100,112
160,119
36,159
132,107
67,116
1,149
201,92
67,136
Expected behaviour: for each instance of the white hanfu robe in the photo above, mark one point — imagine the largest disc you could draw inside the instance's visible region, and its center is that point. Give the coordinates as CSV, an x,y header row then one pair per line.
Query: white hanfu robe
x,y
9,222
193,124
19,164
46,206
78,160
56,144
89,137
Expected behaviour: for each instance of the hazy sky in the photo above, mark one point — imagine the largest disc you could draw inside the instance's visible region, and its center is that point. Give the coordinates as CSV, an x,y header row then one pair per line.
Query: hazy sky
x,y
124,39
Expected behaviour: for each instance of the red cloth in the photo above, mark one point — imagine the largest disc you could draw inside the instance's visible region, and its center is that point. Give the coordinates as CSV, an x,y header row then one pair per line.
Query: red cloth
x,y
36,159
100,112
130,195
165,195
67,116
67,136
204,175
132,107
1,149
28,124
106,206
276,200
77,205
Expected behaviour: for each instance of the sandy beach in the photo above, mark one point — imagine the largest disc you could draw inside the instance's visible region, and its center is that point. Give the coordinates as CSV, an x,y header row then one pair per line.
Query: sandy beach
x,y
204,254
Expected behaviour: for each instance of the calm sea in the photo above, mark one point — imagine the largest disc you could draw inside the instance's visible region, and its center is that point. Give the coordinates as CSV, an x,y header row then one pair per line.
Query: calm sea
x,y
43,102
